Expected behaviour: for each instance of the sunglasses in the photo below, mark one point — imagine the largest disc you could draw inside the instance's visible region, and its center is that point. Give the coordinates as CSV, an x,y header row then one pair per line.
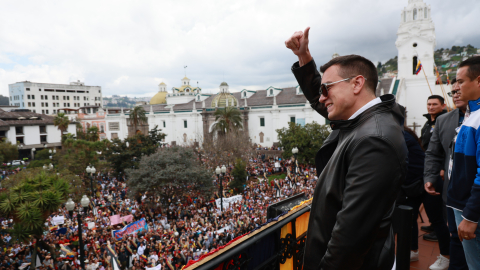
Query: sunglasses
x,y
324,87
453,93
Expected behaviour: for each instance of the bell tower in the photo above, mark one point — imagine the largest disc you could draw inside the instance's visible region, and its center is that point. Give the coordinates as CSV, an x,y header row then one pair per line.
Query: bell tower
x,y
415,42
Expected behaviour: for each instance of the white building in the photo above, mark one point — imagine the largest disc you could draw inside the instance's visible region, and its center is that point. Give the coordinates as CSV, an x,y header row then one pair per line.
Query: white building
x,y
30,130
48,98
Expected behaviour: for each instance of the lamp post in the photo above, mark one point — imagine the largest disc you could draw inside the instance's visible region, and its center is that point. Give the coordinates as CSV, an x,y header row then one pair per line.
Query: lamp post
x,y
91,170
52,152
70,205
218,171
295,152
33,153
48,167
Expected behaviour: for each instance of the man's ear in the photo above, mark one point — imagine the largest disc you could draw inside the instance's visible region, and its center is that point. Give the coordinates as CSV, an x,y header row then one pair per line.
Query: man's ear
x,y
358,84
444,105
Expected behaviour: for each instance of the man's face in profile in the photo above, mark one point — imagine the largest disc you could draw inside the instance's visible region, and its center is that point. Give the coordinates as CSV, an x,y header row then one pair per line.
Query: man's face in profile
x,y
340,99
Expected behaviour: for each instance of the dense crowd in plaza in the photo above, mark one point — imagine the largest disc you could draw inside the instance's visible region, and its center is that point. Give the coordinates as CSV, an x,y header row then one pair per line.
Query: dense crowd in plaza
x,y
179,229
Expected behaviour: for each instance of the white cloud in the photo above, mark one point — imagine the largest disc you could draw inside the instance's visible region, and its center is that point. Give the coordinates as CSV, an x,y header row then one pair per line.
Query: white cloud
x,y
128,47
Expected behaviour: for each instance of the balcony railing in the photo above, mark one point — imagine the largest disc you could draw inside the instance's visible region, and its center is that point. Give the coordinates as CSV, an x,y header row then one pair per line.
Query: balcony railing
x,y
277,245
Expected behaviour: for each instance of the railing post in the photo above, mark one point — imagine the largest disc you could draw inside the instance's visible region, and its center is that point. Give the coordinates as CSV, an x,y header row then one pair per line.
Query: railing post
x,y
402,225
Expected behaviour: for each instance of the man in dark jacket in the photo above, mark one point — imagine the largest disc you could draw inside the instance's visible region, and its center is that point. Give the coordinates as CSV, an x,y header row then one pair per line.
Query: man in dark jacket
x,y
436,107
360,166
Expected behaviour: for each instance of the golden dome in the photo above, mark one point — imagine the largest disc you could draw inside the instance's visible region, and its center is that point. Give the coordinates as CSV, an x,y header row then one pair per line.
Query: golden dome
x,y
162,83
159,98
222,100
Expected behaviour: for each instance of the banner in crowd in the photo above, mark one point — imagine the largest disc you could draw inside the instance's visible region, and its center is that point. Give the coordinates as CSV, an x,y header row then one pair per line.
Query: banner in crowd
x,y
158,267
57,220
228,201
116,219
135,227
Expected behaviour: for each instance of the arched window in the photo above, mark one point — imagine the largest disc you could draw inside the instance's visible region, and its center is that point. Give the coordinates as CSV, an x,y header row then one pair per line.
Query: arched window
x,y
415,62
244,94
414,14
271,92
426,13
198,98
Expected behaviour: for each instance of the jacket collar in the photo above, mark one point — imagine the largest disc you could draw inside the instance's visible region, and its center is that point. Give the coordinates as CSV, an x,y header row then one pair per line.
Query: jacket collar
x,y
474,105
388,104
429,117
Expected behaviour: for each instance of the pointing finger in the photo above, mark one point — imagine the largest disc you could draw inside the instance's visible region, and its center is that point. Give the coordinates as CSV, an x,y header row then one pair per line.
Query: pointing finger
x,y
306,32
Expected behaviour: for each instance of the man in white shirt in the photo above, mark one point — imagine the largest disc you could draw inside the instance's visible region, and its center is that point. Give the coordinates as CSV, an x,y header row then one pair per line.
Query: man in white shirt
x,y
141,249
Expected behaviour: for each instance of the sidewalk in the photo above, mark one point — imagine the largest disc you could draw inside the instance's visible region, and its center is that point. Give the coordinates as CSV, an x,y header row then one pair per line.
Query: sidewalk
x,y
428,251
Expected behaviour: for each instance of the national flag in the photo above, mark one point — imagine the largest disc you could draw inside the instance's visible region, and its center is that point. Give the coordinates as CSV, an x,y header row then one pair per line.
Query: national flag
x,y
418,68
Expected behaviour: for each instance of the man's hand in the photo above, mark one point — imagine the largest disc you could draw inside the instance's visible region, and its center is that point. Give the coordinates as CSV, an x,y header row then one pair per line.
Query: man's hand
x,y
442,174
298,43
431,189
466,230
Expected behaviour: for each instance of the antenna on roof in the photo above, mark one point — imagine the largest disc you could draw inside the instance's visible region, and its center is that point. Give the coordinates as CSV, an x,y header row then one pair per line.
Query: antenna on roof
x,y
185,67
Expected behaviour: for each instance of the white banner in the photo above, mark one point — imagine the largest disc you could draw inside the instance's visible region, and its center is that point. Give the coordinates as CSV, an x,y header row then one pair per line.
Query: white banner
x,y
228,201
91,225
223,229
57,220
158,267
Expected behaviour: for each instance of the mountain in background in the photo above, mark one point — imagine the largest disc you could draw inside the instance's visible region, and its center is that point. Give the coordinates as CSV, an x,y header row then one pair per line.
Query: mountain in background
x,y
447,60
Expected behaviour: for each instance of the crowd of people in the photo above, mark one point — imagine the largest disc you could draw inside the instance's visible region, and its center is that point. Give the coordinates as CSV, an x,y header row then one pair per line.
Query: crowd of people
x,y
179,229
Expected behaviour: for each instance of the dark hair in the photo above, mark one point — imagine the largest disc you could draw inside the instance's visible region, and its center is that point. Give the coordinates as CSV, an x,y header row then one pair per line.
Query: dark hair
x,y
354,65
473,64
440,98
454,80
414,135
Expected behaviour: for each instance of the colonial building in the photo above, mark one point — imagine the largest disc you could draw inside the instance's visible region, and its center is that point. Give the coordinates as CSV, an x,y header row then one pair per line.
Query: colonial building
x,y
30,130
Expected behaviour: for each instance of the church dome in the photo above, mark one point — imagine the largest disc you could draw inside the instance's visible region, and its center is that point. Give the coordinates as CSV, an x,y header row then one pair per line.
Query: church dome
x,y
221,100
159,98
224,84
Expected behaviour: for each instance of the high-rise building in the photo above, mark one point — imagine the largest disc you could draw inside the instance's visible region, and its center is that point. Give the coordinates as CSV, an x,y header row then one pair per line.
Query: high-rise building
x,y
48,98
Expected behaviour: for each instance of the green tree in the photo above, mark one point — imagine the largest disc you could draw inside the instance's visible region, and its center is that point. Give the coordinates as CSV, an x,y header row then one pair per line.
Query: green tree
x,y
61,121
137,115
227,120
307,139
8,151
29,203
239,174
128,153
76,155
170,171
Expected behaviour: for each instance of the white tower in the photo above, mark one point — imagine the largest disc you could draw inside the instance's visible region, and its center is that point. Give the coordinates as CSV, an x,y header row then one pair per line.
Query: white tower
x,y
162,87
415,42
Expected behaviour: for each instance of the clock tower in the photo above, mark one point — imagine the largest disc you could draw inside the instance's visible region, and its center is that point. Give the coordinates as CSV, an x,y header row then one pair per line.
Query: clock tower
x,y
415,42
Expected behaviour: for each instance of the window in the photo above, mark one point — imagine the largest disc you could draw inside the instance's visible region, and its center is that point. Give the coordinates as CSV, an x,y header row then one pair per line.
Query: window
x,y
54,104
19,130
244,94
42,104
68,98
99,91
404,16
40,89
102,128
292,119
262,121
271,92
68,104
28,89
164,124
46,111
414,14
185,123
46,104
426,13
20,140
54,111
114,135
33,96
43,111
43,129
29,104
46,97
41,97
64,104
43,138
3,134
28,96
33,104
415,62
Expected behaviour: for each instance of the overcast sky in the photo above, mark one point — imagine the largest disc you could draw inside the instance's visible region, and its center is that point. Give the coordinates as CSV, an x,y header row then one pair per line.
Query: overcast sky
x,y
129,47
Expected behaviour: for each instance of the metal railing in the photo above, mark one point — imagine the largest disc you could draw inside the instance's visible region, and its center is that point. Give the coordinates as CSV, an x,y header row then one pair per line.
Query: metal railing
x,y
293,246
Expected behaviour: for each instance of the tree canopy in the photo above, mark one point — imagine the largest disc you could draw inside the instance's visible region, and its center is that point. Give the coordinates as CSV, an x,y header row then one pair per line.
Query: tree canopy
x,y
137,115
227,120
308,139
170,171
8,151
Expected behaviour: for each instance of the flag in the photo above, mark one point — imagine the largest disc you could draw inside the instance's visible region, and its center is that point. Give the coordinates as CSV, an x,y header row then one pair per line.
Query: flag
x,y
418,68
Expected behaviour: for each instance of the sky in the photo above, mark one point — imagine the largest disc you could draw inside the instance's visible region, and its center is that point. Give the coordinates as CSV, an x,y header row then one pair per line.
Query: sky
x,y
129,47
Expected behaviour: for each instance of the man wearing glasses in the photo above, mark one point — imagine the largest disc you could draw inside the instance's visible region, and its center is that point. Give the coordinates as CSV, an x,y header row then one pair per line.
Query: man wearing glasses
x,y
437,159
360,166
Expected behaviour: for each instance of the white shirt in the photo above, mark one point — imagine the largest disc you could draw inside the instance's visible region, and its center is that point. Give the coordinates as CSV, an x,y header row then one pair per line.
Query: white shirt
x,y
370,104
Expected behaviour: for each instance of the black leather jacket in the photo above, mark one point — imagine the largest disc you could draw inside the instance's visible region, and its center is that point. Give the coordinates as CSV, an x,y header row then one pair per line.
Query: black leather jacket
x,y
361,166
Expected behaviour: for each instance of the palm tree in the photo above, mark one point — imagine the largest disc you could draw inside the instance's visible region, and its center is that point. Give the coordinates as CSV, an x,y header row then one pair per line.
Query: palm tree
x,y
61,121
137,115
227,120
30,202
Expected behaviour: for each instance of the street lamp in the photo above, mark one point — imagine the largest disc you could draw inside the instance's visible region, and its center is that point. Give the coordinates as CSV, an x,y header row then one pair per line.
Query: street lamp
x,y
33,153
91,170
70,205
48,167
218,171
295,152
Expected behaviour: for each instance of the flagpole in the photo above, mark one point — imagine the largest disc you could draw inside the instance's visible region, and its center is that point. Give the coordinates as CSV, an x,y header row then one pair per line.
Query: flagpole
x,y
444,93
427,81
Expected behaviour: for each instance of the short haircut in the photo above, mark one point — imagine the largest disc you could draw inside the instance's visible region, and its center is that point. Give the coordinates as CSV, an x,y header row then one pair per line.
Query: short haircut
x,y
454,80
473,64
354,65
440,98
